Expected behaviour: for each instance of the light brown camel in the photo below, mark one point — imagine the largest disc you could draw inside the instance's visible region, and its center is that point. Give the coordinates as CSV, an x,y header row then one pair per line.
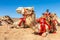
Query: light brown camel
x,y
6,20
28,17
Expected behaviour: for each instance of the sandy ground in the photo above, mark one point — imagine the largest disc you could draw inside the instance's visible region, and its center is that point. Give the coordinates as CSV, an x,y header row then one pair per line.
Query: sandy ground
x,y
7,33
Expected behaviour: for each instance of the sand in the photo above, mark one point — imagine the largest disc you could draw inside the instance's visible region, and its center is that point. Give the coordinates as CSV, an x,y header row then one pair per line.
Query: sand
x,y
7,33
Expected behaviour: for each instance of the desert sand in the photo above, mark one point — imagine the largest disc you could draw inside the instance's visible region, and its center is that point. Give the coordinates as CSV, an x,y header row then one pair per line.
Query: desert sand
x,y
7,33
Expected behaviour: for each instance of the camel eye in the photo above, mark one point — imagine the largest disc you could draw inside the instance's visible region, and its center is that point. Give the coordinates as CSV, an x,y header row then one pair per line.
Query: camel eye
x,y
29,10
55,14
26,9
52,16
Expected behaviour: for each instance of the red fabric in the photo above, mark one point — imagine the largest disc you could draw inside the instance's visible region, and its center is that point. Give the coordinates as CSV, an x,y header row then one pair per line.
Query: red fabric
x,y
22,20
37,20
43,29
43,22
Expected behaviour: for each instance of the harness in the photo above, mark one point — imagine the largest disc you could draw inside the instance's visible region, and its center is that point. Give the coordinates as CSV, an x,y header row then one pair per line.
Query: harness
x,y
24,19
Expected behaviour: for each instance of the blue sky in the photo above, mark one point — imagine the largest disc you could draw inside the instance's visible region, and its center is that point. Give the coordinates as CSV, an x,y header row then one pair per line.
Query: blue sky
x,y
8,7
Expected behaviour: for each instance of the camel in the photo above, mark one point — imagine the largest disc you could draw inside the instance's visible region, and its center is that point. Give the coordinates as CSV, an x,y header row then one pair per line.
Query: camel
x,y
5,20
29,20
28,16
41,27
52,24
8,19
51,21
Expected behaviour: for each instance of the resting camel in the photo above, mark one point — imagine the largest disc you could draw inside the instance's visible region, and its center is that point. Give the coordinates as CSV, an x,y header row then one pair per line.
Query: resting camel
x,y
28,17
41,26
50,24
6,20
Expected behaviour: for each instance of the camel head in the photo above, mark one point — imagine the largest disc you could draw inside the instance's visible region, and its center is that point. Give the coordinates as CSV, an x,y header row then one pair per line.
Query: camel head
x,y
53,15
24,10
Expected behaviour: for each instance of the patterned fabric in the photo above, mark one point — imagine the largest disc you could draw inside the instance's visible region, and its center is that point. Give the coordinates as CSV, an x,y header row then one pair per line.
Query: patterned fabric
x,y
43,23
